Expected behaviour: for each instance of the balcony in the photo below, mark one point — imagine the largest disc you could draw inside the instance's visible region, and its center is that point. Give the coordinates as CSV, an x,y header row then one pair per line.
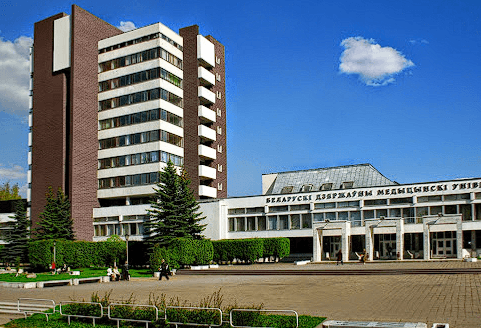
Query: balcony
x,y
206,172
206,133
206,191
206,115
206,78
205,52
206,152
206,96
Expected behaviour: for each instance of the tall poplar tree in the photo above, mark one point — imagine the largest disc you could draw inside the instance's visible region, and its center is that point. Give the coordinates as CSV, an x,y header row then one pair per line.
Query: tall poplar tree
x,y
55,220
174,210
17,235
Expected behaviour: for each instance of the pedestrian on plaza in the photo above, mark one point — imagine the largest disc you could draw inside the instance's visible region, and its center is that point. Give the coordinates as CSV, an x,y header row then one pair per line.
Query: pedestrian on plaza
x,y
116,273
164,270
125,271
339,257
363,257
110,273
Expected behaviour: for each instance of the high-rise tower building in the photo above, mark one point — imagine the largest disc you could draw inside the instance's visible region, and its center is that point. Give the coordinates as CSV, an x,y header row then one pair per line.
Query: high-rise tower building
x,y
109,109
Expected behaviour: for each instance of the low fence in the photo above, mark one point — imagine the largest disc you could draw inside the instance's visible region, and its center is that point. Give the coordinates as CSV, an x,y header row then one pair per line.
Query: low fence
x,y
180,315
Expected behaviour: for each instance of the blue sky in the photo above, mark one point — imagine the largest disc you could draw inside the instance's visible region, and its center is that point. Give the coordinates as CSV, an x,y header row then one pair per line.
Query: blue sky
x,y
310,84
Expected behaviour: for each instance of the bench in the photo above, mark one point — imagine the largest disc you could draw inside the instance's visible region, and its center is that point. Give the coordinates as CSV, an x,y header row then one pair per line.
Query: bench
x,y
53,283
372,324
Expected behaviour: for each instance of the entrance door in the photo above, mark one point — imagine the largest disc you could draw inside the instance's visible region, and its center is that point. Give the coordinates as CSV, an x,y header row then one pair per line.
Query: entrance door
x,y
444,243
387,246
335,246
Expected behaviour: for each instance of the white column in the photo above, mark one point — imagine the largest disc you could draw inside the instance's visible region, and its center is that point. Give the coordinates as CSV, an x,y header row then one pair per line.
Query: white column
x,y
345,236
400,238
459,238
426,241
317,246
369,239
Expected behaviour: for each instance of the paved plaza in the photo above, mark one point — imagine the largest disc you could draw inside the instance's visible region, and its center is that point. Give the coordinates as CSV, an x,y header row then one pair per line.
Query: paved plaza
x,y
450,298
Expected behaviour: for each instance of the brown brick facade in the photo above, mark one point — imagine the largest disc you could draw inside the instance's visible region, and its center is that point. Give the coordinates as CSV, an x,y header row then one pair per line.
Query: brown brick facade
x,y
191,105
65,118
191,116
87,30
49,119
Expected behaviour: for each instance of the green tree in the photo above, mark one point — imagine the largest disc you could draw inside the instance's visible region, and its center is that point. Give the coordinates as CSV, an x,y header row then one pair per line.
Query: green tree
x,y
7,193
55,220
173,210
17,235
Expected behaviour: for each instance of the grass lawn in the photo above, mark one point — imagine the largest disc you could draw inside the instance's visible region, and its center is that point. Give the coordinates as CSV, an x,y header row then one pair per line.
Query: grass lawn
x,y
57,321
84,273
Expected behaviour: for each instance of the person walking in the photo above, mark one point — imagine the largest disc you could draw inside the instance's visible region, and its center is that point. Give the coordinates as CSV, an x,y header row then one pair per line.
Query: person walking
x,y
164,270
339,257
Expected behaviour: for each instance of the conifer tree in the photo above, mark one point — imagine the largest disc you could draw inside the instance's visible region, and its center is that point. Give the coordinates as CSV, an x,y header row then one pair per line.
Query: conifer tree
x,y
17,235
173,210
55,220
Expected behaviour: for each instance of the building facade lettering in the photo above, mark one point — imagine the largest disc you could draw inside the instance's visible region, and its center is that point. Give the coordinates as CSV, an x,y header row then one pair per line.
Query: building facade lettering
x,y
360,194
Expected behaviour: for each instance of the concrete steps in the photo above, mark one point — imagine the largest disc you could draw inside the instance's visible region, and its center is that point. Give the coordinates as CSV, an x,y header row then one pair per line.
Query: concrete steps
x,y
307,272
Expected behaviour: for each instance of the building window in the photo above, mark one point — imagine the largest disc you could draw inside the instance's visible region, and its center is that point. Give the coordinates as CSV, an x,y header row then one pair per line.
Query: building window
x,y
251,223
217,76
283,222
287,189
219,167
425,199
219,112
140,97
347,185
219,186
217,60
219,95
140,57
231,224
219,130
261,223
326,186
295,221
375,202
139,77
219,148
324,205
306,221
272,223
282,208
348,204
302,207
306,188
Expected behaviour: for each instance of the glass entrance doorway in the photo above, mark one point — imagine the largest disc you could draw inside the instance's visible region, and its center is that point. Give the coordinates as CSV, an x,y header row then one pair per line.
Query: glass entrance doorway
x,y
331,245
335,246
385,246
443,244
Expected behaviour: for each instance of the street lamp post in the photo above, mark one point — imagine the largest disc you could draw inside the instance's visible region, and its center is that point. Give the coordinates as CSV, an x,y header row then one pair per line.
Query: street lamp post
x,y
54,267
127,246
126,267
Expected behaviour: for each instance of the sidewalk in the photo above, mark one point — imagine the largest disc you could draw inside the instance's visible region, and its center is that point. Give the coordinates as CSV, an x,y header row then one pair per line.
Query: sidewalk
x,y
454,298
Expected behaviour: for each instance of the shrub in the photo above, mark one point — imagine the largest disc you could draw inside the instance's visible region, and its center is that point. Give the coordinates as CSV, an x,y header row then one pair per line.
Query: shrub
x,y
249,250
75,254
183,252
277,247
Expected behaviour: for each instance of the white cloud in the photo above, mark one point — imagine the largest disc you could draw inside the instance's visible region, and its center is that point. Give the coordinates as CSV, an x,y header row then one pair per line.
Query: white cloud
x,y
13,173
374,64
14,74
127,26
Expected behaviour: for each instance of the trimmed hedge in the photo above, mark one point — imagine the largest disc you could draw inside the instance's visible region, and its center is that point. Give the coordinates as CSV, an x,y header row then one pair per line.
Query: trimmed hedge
x,y
75,254
249,250
277,247
183,252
